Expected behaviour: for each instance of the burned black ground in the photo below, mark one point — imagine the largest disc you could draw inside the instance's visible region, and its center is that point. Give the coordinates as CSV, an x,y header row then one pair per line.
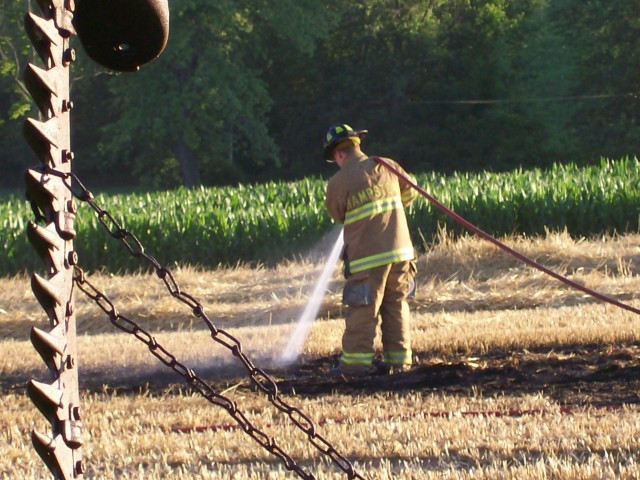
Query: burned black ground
x,y
581,375
574,375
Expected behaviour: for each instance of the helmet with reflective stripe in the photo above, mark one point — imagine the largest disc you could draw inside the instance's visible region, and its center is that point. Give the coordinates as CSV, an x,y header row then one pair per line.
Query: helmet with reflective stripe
x,y
338,134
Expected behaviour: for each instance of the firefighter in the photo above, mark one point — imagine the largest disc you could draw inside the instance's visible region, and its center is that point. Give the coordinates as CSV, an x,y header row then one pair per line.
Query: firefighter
x,y
379,266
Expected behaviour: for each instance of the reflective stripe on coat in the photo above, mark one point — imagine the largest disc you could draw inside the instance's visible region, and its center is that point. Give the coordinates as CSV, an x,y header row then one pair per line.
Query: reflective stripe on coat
x,y
369,200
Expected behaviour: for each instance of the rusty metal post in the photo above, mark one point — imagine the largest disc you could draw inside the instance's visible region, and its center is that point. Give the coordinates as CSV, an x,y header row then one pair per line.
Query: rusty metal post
x,y
52,237
122,36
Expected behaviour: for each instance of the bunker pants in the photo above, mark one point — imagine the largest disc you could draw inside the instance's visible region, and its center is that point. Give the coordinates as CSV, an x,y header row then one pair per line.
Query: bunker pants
x,y
378,295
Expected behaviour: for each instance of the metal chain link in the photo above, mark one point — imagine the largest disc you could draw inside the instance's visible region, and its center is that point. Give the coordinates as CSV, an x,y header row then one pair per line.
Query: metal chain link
x,y
260,378
197,383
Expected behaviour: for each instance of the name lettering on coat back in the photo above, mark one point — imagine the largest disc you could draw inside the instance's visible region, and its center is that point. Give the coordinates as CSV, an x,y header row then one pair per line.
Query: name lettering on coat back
x,y
368,195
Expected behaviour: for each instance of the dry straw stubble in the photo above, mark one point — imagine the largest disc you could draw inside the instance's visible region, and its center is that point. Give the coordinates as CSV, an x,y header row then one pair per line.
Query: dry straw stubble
x,y
473,301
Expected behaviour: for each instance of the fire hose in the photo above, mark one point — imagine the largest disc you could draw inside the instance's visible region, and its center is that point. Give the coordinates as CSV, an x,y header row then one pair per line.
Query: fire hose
x,y
392,417
471,227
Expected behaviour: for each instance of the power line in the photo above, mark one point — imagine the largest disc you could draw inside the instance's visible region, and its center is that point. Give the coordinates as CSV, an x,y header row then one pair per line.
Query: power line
x,y
523,100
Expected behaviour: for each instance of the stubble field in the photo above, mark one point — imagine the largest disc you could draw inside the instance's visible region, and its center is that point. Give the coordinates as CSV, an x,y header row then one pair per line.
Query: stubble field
x,y
516,376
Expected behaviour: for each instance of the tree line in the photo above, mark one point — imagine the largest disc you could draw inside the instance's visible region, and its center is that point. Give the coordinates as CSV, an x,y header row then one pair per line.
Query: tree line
x,y
246,89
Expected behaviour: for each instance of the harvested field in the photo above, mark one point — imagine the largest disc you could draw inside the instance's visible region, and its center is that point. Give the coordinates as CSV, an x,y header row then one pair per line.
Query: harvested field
x,y
516,376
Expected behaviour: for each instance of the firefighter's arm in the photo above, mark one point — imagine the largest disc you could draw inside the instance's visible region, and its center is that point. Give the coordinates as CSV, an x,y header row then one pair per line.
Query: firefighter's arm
x,y
336,202
407,192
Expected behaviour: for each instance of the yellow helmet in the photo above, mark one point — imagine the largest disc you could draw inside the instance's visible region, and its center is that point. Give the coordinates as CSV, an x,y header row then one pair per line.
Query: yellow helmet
x,y
336,134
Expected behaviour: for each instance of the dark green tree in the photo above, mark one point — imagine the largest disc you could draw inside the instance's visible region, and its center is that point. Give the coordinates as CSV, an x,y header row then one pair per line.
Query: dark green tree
x,y
15,101
604,36
362,74
199,113
245,89
476,103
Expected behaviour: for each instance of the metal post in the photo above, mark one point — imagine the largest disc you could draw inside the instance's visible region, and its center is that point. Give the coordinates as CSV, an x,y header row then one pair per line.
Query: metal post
x,y
121,35
52,237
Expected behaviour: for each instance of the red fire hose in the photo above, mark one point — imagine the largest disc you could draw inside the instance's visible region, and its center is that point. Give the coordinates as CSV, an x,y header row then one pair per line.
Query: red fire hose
x,y
469,226
567,410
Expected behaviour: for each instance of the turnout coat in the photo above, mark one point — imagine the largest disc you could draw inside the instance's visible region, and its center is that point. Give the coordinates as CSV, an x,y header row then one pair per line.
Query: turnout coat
x,y
369,200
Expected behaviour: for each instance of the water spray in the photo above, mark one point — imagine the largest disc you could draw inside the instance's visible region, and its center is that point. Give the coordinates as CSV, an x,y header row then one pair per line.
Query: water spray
x,y
293,347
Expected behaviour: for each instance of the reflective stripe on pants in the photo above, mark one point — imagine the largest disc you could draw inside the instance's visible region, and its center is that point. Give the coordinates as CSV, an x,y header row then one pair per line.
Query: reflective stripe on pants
x,y
389,286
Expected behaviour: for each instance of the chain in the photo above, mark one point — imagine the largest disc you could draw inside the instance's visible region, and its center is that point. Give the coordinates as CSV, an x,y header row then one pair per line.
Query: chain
x,y
197,383
260,378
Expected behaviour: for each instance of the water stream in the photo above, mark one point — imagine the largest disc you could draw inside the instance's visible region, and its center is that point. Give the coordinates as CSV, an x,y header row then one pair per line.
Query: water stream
x,y
293,347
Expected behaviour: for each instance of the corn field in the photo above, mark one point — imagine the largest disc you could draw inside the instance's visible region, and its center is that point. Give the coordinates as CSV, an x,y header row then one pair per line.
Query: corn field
x,y
266,223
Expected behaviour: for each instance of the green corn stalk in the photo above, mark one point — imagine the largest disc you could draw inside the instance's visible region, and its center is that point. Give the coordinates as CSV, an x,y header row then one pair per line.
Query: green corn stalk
x,y
211,226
